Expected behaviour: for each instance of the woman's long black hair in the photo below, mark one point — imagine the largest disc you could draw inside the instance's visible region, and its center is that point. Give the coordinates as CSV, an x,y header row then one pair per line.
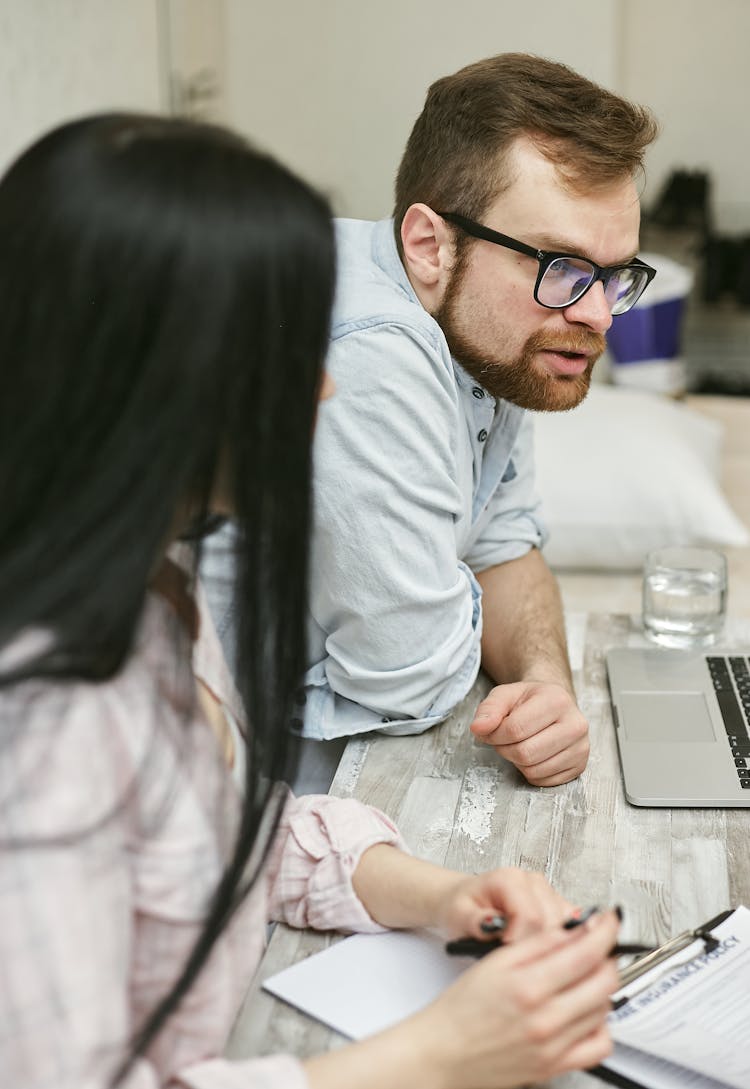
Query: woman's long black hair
x,y
164,307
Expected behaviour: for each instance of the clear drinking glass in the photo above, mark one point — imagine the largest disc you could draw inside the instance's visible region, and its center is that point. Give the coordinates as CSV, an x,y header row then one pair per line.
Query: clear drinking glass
x,y
684,596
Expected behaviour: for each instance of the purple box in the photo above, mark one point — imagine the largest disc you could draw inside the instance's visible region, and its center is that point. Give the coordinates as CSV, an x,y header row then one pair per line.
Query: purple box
x,y
644,344
650,332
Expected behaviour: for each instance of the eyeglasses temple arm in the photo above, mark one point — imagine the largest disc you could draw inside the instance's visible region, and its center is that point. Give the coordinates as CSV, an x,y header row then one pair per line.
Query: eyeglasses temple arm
x,y
477,230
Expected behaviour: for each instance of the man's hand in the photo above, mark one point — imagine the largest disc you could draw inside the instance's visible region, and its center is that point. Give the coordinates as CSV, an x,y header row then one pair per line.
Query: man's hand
x,y
538,727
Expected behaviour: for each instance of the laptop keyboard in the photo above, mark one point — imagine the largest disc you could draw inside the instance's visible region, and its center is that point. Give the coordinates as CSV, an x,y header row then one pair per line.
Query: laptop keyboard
x,y
731,681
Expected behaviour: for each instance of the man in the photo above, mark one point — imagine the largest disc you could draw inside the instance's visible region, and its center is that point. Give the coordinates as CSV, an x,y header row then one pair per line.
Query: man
x,y
447,331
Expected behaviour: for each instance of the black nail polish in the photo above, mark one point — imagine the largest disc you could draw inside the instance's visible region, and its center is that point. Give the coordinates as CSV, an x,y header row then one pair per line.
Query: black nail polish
x,y
493,925
618,911
571,924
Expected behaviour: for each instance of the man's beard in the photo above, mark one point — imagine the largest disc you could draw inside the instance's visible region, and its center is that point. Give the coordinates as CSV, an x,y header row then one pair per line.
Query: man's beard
x,y
519,380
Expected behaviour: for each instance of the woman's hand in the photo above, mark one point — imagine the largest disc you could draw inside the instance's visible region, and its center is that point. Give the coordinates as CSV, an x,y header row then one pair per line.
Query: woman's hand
x,y
401,891
524,1013
525,900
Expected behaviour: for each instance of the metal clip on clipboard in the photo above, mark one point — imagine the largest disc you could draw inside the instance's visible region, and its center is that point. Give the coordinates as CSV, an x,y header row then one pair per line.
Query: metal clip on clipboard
x,y
665,952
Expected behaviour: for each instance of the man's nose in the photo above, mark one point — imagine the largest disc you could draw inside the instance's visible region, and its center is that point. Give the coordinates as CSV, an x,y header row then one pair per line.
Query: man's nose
x,y
592,309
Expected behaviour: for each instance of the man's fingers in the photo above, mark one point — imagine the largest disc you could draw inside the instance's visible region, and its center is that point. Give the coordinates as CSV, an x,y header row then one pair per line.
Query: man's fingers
x,y
496,706
554,775
536,709
550,742
571,757
536,727
518,717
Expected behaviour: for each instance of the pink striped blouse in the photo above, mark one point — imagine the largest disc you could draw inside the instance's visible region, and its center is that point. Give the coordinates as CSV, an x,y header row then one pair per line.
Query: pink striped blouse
x,y
116,813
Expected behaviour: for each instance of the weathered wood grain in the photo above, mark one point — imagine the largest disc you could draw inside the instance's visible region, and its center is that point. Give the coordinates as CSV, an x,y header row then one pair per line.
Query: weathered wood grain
x,y
457,804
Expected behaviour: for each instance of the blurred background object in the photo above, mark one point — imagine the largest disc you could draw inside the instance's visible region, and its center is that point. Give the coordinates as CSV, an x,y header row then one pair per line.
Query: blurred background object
x,y
684,201
191,35
645,344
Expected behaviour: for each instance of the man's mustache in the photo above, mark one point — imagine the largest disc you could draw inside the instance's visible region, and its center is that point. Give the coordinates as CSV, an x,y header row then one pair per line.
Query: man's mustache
x,y
580,342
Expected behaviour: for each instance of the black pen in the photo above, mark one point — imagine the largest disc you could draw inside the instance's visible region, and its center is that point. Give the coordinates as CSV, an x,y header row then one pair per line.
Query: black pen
x,y
622,949
629,949
579,920
473,947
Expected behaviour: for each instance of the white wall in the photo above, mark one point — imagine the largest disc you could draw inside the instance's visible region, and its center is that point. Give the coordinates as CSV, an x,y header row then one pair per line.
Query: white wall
x,y
334,86
690,61
62,58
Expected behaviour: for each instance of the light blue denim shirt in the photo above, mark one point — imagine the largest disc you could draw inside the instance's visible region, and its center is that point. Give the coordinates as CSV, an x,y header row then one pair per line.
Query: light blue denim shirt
x,y
422,479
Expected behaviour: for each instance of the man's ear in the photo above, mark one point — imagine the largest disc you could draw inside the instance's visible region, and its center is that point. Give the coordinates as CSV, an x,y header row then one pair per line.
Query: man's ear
x,y
428,253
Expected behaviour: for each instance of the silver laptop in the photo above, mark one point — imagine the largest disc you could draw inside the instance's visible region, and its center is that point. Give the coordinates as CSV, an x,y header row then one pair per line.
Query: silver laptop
x,y
681,720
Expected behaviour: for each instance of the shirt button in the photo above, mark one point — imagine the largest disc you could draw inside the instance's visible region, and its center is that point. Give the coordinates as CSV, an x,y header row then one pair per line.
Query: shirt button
x,y
478,392
482,435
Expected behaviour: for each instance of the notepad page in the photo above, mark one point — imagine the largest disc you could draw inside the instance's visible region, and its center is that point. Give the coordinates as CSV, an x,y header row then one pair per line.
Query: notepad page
x,y
369,982
695,1012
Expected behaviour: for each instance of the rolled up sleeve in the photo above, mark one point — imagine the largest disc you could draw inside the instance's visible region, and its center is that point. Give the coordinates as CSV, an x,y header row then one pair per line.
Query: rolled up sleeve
x,y
316,852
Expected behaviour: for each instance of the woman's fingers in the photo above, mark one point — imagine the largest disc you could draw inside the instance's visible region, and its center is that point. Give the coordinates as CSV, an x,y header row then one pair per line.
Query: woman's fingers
x,y
563,998
526,900
588,1052
557,957
533,905
529,1010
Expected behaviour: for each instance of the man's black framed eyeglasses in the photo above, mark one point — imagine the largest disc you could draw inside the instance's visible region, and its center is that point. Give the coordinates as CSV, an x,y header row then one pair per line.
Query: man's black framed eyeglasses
x,y
564,278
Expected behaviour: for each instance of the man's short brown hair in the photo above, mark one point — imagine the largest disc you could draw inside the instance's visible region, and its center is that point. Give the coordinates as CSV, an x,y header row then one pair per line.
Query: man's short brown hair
x,y
455,157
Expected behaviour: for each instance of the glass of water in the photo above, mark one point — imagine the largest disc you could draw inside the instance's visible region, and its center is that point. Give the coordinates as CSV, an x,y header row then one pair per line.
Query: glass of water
x,y
684,596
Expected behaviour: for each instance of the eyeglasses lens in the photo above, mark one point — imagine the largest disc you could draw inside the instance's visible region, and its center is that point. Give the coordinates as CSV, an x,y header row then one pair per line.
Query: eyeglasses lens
x,y
624,289
566,279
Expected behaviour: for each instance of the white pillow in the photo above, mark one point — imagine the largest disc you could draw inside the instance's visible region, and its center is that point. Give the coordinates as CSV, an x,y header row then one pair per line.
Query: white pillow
x,y
626,472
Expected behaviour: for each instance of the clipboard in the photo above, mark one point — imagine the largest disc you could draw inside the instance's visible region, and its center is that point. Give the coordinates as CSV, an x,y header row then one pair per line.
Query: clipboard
x,y
643,965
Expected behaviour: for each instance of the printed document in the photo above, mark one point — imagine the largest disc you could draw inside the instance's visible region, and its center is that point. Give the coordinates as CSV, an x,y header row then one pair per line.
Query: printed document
x,y
691,1013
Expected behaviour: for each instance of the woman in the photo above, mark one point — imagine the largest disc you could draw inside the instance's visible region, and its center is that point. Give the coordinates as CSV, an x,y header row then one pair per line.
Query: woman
x,y
165,293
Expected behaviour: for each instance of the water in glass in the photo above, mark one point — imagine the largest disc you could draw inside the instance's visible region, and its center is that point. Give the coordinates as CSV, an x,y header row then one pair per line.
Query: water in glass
x,y
684,607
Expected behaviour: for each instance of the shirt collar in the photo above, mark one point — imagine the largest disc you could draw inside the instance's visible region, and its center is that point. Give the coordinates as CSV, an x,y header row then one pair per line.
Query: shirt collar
x,y
385,254
464,379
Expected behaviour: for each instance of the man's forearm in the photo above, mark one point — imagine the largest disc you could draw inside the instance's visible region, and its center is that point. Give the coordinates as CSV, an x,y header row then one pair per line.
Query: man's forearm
x,y
523,632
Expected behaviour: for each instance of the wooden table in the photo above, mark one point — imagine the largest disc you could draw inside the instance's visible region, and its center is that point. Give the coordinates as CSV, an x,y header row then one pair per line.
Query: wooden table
x,y
457,804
